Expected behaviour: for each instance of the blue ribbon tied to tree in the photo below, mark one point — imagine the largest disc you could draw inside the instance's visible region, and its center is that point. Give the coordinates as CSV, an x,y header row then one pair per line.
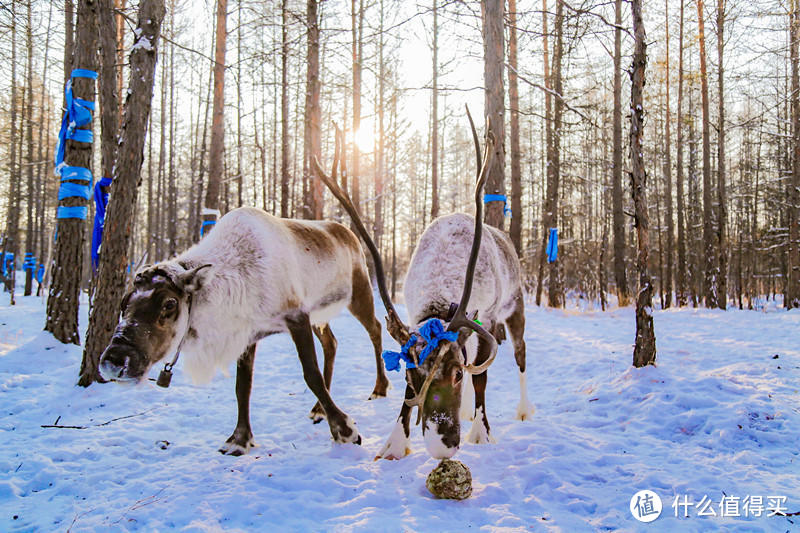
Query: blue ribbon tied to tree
x,y
498,198
100,204
552,246
432,332
78,113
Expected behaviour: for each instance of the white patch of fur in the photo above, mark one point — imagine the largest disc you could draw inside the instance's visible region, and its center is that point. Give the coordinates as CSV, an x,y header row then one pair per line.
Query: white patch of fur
x,y
438,268
525,409
478,433
231,448
433,442
353,437
397,445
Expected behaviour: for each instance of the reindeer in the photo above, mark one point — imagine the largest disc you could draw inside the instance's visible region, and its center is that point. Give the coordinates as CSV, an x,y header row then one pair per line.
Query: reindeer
x,y
253,276
433,280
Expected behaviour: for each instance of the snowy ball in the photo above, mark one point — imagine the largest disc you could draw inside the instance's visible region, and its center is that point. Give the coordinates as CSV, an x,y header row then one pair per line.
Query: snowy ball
x,y
450,480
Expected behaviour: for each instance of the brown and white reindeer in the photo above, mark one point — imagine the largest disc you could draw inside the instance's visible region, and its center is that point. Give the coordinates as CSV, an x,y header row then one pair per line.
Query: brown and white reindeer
x,y
253,276
440,268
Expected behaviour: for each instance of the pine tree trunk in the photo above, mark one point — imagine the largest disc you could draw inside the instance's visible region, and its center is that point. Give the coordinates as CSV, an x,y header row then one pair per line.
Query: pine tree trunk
x,y
644,352
513,101
548,138
312,138
63,299
555,295
217,148
494,98
124,190
10,240
623,294
357,30
667,282
435,118
722,215
30,243
793,285
284,110
681,278
711,266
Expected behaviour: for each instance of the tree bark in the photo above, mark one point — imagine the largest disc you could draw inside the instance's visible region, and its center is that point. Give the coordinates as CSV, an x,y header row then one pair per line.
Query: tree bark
x,y
644,352
548,138
217,148
793,285
681,278
667,282
493,52
513,101
64,296
10,241
124,189
435,118
312,139
30,242
623,294
722,214
711,266
285,110
555,292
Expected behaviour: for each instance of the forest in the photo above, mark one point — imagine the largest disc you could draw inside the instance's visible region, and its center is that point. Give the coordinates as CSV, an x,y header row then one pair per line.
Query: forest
x,y
237,114
638,163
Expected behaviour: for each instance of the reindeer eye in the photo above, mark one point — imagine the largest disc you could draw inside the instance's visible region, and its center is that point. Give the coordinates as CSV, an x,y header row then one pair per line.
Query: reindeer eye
x,y
170,304
459,375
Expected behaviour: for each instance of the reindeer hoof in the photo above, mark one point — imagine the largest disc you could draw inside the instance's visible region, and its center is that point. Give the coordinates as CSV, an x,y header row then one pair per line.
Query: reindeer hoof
x,y
479,433
237,444
397,445
317,414
346,433
525,411
380,390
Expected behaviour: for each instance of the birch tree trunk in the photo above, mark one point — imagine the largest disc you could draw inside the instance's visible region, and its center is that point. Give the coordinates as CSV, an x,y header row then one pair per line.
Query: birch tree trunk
x,y
644,351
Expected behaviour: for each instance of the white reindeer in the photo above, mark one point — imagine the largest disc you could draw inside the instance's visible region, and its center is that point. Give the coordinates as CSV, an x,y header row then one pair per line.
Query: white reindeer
x,y
253,276
440,267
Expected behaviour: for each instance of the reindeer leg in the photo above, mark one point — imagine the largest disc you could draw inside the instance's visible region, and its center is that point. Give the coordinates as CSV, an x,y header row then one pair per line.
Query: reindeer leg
x,y
467,411
343,428
362,307
242,438
516,330
398,445
328,341
479,433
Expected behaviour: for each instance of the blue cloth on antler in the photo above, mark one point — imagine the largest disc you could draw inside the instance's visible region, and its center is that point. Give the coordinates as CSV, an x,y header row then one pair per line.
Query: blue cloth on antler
x,y
432,332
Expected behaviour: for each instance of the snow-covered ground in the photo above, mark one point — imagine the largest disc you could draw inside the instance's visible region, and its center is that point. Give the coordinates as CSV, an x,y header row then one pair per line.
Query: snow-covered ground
x,y
718,417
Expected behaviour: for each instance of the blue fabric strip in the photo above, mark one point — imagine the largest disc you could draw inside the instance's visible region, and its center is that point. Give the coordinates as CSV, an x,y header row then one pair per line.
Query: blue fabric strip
x,y
206,223
552,246
81,136
84,73
40,274
80,212
498,198
73,190
76,173
100,205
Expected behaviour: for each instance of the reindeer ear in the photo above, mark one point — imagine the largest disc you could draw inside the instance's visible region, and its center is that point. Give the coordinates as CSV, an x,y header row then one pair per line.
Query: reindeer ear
x,y
194,279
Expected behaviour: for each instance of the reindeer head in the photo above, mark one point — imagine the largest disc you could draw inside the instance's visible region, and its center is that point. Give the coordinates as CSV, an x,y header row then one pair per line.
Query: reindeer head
x,y
155,318
433,351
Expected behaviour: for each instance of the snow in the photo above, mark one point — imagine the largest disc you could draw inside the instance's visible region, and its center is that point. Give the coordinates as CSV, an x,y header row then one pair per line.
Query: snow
x,y
718,416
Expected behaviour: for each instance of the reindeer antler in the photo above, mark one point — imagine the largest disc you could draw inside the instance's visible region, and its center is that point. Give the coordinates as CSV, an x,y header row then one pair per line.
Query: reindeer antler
x,y
397,329
460,320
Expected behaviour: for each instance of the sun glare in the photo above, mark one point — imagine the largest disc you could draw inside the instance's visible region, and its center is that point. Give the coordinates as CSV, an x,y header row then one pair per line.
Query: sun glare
x,y
365,136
